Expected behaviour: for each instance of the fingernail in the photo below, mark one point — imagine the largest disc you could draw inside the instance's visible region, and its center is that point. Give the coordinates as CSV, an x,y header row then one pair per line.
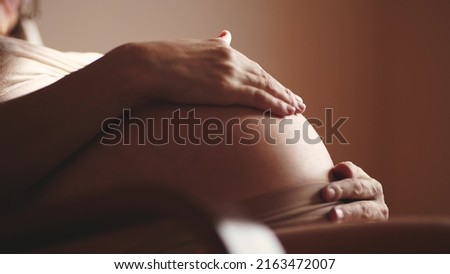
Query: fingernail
x,y
291,109
339,214
302,106
331,194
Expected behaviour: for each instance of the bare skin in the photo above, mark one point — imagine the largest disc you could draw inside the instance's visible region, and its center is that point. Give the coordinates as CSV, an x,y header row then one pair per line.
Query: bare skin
x,y
128,76
224,172
8,15
218,174
123,68
59,162
353,183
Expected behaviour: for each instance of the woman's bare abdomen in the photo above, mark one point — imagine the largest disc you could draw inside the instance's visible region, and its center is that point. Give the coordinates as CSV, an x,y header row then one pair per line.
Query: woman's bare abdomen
x,y
230,153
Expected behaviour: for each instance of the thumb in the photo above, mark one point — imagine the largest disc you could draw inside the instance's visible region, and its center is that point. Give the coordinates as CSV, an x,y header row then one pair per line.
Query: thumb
x,y
348,169
343,170
226,36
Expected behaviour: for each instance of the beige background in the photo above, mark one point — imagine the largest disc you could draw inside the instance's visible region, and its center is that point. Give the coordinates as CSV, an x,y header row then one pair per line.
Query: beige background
x,y
384,64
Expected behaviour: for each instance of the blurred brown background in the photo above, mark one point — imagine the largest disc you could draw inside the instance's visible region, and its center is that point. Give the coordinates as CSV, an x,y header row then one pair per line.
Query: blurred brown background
x,y
385,64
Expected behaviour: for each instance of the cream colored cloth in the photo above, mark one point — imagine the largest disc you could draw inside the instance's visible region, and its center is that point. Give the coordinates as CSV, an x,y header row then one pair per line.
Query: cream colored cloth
x,y
25,68
290,206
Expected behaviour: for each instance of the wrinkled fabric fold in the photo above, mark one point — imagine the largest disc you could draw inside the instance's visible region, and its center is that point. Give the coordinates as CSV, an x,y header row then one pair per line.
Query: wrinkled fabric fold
x,y
290,206
26,68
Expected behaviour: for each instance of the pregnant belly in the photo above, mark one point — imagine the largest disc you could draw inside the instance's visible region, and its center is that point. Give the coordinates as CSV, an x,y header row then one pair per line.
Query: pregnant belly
x,y
254,157
276,180
242,152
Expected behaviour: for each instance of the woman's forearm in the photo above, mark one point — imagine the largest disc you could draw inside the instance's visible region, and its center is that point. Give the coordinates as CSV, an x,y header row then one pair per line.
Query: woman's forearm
x,y
41,129
45,127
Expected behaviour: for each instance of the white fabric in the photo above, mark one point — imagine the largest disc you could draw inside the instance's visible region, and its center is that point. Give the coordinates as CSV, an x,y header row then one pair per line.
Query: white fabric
x,y
25,68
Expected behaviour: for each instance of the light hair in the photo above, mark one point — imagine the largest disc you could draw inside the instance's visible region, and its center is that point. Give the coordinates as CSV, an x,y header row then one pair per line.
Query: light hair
x,y
26,28
29,9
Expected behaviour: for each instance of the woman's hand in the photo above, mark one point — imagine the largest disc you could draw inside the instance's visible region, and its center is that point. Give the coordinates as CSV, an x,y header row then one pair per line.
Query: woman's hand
x,y
207,72
365,193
